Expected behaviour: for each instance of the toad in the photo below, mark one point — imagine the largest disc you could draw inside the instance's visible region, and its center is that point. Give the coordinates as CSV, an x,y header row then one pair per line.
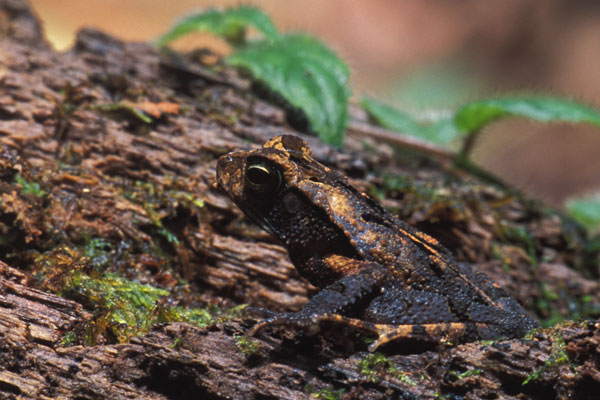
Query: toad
x,y
374,271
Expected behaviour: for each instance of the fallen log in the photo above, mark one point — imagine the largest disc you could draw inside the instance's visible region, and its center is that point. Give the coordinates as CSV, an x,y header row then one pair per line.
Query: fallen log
x,y
107,170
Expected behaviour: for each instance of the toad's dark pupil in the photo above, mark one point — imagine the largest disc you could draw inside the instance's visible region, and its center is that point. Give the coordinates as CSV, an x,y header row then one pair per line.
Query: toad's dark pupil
x,y
262,178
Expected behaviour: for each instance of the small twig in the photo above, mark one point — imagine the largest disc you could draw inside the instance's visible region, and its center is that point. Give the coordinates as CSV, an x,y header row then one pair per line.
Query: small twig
x,y
468,144
459,160
400,139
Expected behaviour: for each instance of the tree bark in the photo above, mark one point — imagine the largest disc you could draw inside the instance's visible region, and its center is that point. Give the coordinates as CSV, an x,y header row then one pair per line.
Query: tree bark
x,y
113,141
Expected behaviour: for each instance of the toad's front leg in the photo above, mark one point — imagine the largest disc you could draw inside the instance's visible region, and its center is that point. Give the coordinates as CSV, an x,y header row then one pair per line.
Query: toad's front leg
x,y
336,302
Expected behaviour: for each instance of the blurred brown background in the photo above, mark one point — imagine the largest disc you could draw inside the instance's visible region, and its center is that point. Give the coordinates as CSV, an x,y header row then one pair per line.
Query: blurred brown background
x,y
419,54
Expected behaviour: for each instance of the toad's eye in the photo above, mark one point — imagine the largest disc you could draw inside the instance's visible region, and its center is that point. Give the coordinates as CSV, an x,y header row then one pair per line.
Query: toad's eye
x,y
263,178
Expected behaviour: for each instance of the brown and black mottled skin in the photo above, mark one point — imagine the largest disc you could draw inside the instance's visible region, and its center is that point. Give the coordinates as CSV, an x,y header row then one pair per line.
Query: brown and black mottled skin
x,y
375,272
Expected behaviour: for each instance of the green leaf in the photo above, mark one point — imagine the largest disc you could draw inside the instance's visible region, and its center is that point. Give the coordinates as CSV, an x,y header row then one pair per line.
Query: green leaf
x,y
307,74
441,85
230,24
440,129
392,118
586,211
473,116
443,131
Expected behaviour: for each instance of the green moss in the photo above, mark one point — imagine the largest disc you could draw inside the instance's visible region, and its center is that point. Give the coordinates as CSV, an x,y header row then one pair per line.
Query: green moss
x,y
156,220
246,345
128,306
52,269
121,308
558,355
373,364
466,374
200,317
160,203
186,197
176,343
69,339
97,251
376,364
326,394
29,188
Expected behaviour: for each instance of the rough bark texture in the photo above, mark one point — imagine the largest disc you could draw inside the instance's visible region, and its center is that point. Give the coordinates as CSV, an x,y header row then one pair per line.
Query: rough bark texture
x,y
78,161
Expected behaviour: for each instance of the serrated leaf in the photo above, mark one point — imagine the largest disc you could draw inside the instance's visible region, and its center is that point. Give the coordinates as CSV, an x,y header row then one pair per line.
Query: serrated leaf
x,y
586,211
473,116
230,24
307,74
441,130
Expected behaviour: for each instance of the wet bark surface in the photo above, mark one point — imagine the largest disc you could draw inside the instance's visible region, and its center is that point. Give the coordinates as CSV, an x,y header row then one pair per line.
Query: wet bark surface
x,y
114,143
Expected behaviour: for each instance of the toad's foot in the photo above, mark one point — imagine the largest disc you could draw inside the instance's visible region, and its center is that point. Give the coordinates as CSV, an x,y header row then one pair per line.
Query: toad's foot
x,y
432,333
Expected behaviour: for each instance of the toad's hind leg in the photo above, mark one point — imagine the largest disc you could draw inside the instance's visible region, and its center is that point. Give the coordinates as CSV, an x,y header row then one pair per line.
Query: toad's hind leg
x,y
432,333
